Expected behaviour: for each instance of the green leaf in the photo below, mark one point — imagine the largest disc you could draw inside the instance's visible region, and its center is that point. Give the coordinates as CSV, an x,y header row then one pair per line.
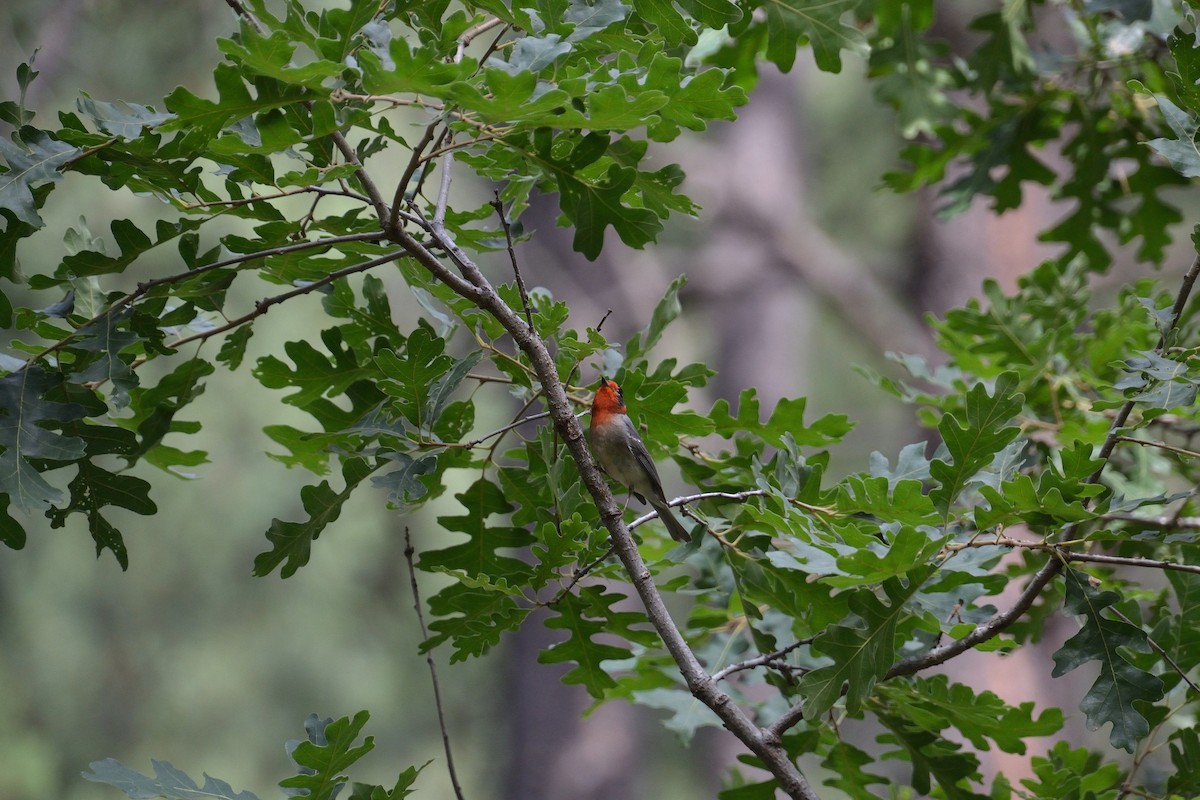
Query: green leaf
x,y
24,435
663,15
846,764
1120,684
154,411
821,25
1185,758
272,56
593,16
1064,772
168,782
532,54
11,533
291,542
786,419
593,206
913,81
130,240
92,489
478,556
861,649
1038,505
666,311
106,338
684,713
476,610
584,617
120,118
421,377
1179,152
900,501
907,549
327,753
472,615
402,789
933,757
349,23
314,375
31,159
935,704
974,441
233,349
403,484
204,119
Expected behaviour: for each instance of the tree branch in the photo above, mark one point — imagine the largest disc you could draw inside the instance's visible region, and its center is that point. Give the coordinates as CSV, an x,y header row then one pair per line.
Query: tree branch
x,y
763,743
988,630
1001,620
767,660
406,177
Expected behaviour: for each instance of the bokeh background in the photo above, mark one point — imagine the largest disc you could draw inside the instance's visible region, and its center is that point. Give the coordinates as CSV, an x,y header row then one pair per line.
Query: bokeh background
x,y
799,268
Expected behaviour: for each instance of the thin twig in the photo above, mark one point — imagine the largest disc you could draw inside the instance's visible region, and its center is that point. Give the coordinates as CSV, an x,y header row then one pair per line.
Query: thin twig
x,y
443,149
242,12
469,35
1071,555
1185,289
767,660
148,286
437,694
244,201
265,305
515,424
1122,561
382,211
1168,523
578,575
1161,445
512,256
786,720
414,161
443,198
1158,649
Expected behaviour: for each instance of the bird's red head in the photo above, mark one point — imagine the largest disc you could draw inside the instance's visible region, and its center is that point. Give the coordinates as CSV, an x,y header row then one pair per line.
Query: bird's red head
x,y
608,400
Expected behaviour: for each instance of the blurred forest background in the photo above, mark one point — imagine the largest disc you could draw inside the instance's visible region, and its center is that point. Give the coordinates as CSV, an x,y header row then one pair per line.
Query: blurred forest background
x,y
799,268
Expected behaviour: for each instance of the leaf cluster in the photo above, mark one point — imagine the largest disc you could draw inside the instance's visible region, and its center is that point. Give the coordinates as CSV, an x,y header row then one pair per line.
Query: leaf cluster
x,y
1061,427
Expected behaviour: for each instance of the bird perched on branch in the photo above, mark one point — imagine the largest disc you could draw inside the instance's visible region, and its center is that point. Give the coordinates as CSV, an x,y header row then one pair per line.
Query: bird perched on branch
x,y
620,452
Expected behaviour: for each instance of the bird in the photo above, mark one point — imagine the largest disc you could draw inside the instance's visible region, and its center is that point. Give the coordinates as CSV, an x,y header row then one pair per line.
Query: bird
x,y
622,454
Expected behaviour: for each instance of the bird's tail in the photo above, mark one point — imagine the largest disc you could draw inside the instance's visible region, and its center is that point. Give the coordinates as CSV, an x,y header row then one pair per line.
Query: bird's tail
x,y
674,526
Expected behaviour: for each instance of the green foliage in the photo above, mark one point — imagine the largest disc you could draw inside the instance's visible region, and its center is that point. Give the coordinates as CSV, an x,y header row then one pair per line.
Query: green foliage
x,y
324,168
1120,684
321,759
